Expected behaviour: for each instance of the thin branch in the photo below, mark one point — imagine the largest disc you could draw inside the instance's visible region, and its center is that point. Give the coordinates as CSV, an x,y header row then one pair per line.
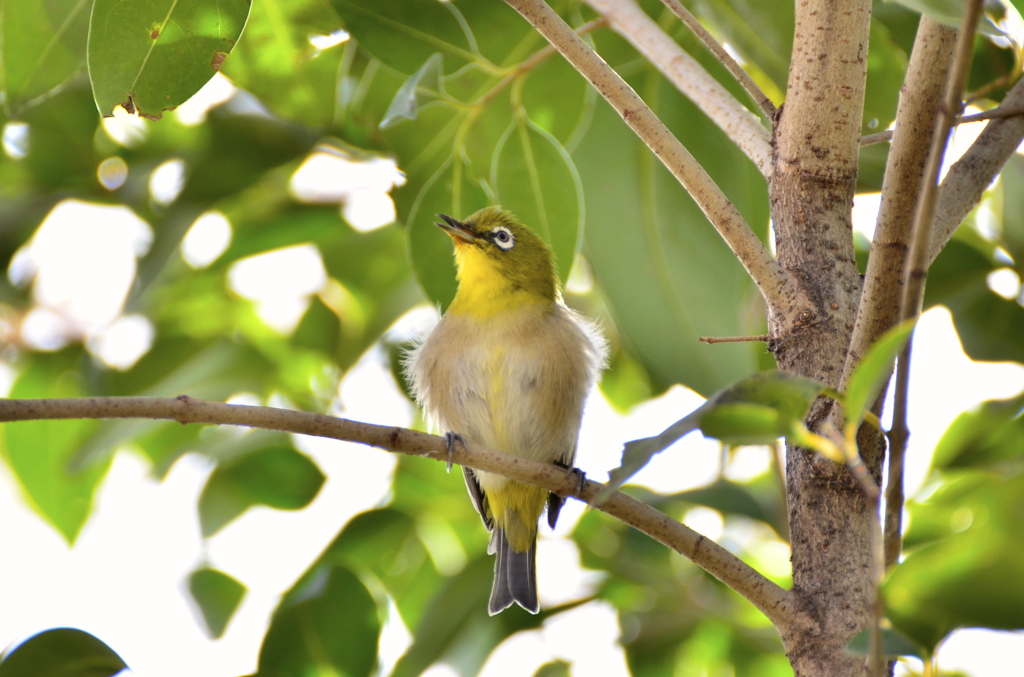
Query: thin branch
x,y
776,285
734,339
742,77
877,137
1006,109
879,306
775,602
917,268
974,172
690,78
1001,111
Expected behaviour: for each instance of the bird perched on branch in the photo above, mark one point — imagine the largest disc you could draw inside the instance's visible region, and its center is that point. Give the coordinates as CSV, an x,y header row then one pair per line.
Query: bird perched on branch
x,y
508,367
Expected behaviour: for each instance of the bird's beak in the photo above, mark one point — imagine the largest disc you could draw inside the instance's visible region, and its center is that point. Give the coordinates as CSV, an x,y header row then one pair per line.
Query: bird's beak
x,y
458,230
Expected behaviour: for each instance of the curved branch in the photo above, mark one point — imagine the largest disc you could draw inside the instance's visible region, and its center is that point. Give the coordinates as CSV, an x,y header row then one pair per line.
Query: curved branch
x,y
776,285
690,78
769,598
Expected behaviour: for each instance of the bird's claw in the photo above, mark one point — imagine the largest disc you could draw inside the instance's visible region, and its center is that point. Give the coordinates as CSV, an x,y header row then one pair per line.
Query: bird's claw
x,y
450,439
581,480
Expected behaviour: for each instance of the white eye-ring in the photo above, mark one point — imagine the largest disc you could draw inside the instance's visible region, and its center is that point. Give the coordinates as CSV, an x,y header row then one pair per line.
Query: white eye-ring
x,y
503,238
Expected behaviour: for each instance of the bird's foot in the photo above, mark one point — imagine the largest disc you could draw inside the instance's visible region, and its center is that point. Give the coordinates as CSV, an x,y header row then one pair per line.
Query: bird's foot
x,y
450,439
581,481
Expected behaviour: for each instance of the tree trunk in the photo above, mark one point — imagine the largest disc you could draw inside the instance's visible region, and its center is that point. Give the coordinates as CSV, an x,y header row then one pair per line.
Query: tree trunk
x,y
811,190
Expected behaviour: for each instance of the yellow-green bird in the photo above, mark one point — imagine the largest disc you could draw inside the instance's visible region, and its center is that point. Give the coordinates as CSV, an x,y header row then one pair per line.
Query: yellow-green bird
x,y
508,367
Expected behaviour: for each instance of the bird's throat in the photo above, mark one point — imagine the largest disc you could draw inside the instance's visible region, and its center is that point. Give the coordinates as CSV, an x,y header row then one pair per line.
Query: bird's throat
x,y
484,291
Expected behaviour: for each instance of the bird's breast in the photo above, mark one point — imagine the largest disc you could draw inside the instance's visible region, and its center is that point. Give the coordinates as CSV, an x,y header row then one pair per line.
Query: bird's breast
x,y
515,383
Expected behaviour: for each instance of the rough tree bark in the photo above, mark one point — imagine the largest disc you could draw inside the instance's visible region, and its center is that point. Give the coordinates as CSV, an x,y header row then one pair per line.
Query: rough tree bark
x,y
811,190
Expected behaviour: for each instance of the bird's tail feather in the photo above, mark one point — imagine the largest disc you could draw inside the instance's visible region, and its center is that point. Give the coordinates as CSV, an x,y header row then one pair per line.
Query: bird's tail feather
x,y
515,576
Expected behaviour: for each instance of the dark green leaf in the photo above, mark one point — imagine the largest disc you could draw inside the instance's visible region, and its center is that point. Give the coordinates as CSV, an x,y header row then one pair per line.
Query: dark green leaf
x,y
152,56
874,370
62,652
406,45
43,46
278,477
327,625
217,595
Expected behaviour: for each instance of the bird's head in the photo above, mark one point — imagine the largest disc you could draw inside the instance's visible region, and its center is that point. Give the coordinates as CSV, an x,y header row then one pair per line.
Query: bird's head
x,y
496,255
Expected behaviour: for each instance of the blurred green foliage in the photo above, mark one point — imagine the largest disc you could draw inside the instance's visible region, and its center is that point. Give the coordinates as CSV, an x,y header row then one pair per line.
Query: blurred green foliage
x,y
474,110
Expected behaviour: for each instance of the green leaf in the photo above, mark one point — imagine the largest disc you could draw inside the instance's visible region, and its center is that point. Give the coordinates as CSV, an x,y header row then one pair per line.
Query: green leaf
x,y
275,60
422,86
894,644
406,45
217,595
451,190
874,370
153,55
744,423
327,625
646,239
761,32
730,498
951,12
970,578
43,45
62,652
278,477
237,150
39,453
989,326
756,410
455,627
536,179
384,543
554,669
1012,192
887,64
989,436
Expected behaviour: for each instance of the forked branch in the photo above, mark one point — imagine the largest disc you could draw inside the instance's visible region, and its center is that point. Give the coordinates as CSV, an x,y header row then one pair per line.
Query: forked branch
x,y
690,78
776,285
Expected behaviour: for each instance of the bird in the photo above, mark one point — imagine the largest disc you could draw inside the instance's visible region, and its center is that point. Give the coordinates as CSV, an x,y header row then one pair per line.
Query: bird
x,y
509,366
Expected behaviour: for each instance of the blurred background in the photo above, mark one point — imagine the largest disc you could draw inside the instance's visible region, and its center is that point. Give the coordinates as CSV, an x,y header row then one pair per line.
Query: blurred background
x,y
270,241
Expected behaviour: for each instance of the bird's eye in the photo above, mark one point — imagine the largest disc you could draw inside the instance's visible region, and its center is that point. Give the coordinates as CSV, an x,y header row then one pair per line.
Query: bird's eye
x,y
503,238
